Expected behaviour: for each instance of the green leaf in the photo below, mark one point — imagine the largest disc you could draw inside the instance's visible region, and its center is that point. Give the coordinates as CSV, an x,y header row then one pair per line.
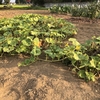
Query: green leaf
x,y
36,19
36,42
34,33
26,42
11,48
82,74
5,49
76,56
50,25
50,53
50,40
2,38
36,51
90,76
0,49
98,66
83,57
30,38
98,38
8,49
12,41
21,48
27,62
93,63
47,51
9,41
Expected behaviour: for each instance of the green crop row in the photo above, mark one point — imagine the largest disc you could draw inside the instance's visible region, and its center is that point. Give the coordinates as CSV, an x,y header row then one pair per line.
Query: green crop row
x,y
92,10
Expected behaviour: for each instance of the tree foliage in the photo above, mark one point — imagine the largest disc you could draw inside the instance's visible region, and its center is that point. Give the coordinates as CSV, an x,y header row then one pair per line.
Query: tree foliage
x,y
38,2
20,1
41,2
6,1
0,1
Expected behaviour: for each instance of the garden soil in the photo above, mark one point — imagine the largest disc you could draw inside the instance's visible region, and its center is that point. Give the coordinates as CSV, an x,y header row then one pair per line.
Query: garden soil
x,y
45,80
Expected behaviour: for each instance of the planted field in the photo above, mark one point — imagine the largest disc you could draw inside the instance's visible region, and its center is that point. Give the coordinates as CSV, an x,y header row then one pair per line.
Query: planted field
x,y
47,40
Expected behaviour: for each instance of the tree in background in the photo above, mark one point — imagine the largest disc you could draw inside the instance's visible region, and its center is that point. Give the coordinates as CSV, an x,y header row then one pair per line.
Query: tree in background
x,y
0,1
23,1
6,1
38,2
69,1
28,1
17,1
20,1
41,2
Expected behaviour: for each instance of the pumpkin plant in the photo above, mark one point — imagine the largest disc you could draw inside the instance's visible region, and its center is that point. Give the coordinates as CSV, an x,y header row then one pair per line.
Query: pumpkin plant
x,y
34,35
38,35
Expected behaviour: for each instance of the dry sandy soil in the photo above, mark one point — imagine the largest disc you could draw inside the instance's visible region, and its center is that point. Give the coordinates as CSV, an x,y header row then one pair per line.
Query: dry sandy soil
x,y
43,80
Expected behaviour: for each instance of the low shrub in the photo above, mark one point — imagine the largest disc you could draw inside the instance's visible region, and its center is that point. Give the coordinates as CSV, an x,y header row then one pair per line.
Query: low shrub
x,y
60,9
91,11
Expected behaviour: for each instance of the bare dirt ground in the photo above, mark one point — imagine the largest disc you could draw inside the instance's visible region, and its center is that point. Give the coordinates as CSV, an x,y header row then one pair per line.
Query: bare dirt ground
x,y
43,80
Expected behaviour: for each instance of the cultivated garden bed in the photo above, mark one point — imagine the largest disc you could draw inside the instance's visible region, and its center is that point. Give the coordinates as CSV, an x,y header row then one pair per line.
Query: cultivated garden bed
x,y
43,80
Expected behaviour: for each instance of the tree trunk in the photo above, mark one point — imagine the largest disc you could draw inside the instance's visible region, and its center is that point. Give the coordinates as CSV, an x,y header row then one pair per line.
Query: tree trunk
x,y
0,1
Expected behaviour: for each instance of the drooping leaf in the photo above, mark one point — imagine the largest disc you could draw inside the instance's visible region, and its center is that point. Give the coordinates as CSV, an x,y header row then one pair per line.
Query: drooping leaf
x,y
26,62
92,63
50,25
50,53
82,74
36,51
5,49
74,41
98,66
26,42
36,19
1,49
90,76
34,33
50,40
36,42
75,55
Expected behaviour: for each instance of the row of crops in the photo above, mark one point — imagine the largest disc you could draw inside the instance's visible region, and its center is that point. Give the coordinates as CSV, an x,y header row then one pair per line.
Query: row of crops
x,y
49,39
92,10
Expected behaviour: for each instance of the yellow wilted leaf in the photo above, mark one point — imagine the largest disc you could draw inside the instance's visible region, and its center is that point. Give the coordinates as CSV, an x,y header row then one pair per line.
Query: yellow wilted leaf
x,y
36,19
92,62
75,32
78,47
66,44
76,56
36,42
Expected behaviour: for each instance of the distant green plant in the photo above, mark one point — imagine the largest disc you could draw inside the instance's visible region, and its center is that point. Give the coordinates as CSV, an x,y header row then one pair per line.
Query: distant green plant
x,y
91,11
22,7
60,9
